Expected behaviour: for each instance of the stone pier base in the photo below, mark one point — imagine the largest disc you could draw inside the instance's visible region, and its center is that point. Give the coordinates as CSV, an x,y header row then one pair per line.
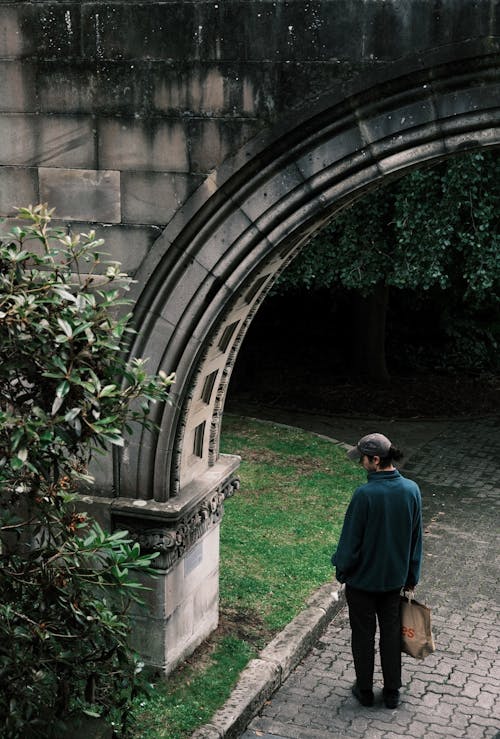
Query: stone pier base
x,y
182,600
182,606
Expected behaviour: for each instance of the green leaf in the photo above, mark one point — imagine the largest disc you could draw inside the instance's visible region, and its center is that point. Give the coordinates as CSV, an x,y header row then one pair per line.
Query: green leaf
x,y
65,294
91,713
63,389
72,414
66,327
107,391
16,463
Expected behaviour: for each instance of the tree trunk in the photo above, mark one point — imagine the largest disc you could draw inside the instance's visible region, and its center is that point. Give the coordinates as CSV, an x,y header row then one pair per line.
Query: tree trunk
x,y
369,327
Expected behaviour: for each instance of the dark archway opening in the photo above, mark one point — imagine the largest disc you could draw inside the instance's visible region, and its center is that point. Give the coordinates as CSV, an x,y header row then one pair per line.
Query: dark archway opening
x,y
288,360
404,346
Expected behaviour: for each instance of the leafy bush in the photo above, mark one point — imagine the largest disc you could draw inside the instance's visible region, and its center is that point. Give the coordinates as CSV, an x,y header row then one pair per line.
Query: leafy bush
x,y
65,392
434,231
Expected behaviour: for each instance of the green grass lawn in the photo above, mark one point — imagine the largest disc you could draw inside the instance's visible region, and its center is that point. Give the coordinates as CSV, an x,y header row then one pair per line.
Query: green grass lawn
x,y
277,537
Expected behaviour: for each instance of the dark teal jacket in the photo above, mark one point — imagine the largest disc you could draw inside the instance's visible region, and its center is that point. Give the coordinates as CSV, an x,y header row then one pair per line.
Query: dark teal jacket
x,y
380,547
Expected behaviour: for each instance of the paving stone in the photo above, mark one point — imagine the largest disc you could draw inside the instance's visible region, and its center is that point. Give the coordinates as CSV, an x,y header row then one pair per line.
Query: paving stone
x,y
430,699
457,678
471,689
480,714
460,722
475,732
486,700
458,700
484,721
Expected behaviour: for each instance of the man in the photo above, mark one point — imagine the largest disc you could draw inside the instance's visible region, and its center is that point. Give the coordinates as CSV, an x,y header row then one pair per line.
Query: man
x,y
379,552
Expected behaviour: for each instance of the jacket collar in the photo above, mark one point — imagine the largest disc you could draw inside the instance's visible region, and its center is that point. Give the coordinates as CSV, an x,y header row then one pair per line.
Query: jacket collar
x,y
384,475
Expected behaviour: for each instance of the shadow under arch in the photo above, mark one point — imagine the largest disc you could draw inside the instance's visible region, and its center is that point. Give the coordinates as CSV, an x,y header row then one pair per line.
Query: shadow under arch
x,y
207,274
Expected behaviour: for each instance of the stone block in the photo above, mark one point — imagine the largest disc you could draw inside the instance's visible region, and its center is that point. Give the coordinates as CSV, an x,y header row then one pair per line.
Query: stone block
x,y
137,30
154,197
207,732
212,141
17,89
139,144
14,43
18,188
124,244
384,124
327,154
66,86
52,29
275,189
127,244
461,142
456,102
191,577
54,141
82,194
218,243
118,87
181,304
127,89
196,90
340,35
214,89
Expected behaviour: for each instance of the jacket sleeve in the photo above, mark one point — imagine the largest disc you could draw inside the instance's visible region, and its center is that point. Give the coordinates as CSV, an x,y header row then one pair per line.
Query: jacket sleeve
x,y
347,555
416,544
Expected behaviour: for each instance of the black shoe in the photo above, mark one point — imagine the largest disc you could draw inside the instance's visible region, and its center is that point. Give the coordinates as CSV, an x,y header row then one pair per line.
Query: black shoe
x,y
391,698
365,697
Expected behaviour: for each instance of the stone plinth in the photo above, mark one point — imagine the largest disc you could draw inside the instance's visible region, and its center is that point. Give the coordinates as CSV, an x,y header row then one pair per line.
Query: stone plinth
x,y
182,607
181,603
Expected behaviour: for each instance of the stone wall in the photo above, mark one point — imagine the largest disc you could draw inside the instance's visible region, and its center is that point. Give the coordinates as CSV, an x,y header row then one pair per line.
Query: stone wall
x,y
115,112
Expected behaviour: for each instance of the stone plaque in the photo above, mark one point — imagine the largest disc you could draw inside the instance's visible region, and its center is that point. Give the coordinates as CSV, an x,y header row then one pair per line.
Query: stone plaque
x,y
193,559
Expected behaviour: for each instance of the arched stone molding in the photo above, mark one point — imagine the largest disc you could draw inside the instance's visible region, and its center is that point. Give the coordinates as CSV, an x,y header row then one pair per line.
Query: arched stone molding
x,y
215,262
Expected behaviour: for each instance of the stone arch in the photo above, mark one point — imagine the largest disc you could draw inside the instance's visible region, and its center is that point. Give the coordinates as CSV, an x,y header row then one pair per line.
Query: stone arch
x,y
203,281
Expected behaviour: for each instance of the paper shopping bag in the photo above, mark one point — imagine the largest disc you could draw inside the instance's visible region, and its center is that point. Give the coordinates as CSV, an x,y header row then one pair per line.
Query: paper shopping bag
x,y
416,633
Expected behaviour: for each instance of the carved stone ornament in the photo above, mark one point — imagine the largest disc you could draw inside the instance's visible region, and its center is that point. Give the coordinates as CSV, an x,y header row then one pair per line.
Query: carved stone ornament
x,y
173,543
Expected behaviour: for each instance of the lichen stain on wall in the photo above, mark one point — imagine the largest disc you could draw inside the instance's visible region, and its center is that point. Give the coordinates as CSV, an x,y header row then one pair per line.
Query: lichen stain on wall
x,y
195,92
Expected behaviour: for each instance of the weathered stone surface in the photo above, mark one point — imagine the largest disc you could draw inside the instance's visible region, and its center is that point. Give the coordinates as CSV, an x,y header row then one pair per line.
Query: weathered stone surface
x,y
296,639
17,89
82,194
127,244
18,187
54,141
210,142
154,197
207,732
257,682
14,42
54,29
67,86
143,144
182,607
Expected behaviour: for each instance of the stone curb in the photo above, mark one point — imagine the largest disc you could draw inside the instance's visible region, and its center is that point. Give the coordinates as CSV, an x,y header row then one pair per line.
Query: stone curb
x,y
263,676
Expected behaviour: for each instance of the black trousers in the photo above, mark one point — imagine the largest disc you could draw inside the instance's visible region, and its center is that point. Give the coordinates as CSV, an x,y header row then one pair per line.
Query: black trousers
x,y
364,610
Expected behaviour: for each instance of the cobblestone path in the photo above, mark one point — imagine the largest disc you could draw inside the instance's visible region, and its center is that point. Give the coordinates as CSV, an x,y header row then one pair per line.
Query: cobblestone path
x,y
456,691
